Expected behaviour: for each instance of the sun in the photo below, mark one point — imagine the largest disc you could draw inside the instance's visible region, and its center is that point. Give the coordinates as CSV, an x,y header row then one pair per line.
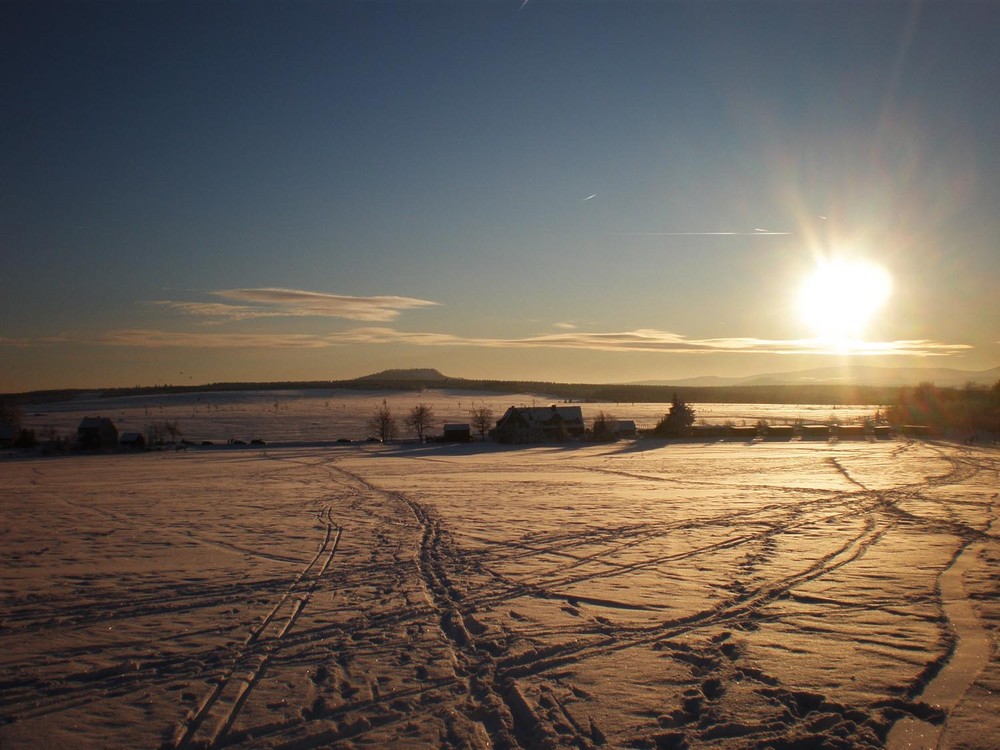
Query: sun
x,y
841,297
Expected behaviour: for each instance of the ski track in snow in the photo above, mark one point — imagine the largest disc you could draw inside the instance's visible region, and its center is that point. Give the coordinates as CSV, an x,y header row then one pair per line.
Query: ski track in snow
x,y
722,596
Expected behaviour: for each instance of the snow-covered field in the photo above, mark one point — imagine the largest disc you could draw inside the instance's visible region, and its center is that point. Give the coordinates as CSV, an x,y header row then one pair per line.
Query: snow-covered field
x,y
638,594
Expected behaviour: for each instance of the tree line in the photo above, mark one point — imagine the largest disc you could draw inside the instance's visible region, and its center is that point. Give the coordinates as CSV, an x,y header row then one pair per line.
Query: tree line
x,y
584,392
973,408
421,419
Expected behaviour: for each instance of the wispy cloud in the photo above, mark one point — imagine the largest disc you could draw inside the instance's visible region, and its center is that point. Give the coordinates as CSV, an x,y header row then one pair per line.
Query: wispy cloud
x,y
22,342
642,340
153,339
275,302
565,326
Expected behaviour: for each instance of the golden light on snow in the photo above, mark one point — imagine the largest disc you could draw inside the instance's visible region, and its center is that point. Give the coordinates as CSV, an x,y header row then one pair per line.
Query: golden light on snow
x,y
841,297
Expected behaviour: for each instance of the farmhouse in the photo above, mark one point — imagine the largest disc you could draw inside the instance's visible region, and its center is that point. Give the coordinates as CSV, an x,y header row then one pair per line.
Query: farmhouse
x,y
97,433
536,424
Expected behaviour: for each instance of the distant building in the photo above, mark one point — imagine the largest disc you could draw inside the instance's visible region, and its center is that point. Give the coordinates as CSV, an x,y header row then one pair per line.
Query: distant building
x,y
850,432
132,440
523,424
624,428
814,432
457,433
8,435
97,434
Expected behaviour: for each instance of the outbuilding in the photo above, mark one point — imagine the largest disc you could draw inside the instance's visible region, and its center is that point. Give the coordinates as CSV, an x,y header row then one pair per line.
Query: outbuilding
x,y
624,428
8,435
97,434
132,441
457,433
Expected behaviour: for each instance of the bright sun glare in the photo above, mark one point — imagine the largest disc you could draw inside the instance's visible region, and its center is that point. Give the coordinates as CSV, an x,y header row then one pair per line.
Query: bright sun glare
x,y
841,297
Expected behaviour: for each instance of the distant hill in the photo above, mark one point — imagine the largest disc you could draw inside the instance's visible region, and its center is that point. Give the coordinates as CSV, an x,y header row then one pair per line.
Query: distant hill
x,y
849,375
418,374
855,385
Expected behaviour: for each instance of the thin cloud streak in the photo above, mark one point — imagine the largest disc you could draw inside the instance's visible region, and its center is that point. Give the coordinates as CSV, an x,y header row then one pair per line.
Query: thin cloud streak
x,y
25,343
643,340
271,302
755,233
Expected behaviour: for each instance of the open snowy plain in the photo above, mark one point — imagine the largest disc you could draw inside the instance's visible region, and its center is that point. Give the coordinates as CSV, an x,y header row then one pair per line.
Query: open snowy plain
x,y
637,594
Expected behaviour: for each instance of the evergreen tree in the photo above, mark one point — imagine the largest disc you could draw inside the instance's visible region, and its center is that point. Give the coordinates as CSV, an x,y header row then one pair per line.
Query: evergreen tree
x,y
677,421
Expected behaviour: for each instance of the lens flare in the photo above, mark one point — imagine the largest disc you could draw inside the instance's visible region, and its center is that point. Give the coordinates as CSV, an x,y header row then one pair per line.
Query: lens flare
x,y
841,297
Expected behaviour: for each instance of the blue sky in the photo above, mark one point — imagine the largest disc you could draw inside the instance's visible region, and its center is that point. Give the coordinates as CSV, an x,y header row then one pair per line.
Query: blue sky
x,y
195,192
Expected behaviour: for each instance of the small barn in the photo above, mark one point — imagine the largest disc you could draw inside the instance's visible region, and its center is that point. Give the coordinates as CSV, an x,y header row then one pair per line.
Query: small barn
x,y
624,428
8,435
538,424
132,441
457,433
778,432
97,434
814,432
850,432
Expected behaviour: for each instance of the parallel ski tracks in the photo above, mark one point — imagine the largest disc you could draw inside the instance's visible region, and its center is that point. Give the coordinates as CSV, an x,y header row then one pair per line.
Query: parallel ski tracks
x,y
219,709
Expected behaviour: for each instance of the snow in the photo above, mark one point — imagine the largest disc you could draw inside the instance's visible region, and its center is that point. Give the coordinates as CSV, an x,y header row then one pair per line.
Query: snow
x,y
634,594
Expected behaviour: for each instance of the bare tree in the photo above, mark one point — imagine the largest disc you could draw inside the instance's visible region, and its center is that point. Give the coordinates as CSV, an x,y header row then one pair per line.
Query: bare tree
x,y
9,413
155,434
172,429
383,423
482,420
420,419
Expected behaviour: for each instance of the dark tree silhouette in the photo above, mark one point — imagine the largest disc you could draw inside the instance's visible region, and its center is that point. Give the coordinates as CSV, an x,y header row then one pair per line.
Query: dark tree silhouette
x,y
9,413
482,420
604,427
677,421
383,423
420,419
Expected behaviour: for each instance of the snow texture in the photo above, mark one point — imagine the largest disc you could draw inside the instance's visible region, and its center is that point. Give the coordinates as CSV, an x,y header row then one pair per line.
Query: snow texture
x,y
639,594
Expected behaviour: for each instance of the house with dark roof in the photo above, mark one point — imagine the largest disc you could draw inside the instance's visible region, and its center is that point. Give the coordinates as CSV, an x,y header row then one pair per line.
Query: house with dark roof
x,y
539,424
97,434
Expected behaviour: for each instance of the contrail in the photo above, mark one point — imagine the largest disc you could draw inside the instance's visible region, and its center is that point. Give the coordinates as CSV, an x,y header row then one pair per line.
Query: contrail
x,y
588,198
756,233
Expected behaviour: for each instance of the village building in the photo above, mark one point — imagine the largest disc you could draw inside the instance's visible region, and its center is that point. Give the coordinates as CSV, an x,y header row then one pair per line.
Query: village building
x,y
538,424
132,441
624,428
8,435
97,434
457,433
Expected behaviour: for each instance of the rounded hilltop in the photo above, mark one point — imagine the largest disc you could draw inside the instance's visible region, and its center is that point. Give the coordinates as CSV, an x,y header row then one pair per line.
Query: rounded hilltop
x,y
428,374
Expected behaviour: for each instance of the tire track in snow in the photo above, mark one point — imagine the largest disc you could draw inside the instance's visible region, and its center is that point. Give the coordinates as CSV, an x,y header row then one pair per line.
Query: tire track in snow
x,y
496,709
739,609
971,643
215,715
